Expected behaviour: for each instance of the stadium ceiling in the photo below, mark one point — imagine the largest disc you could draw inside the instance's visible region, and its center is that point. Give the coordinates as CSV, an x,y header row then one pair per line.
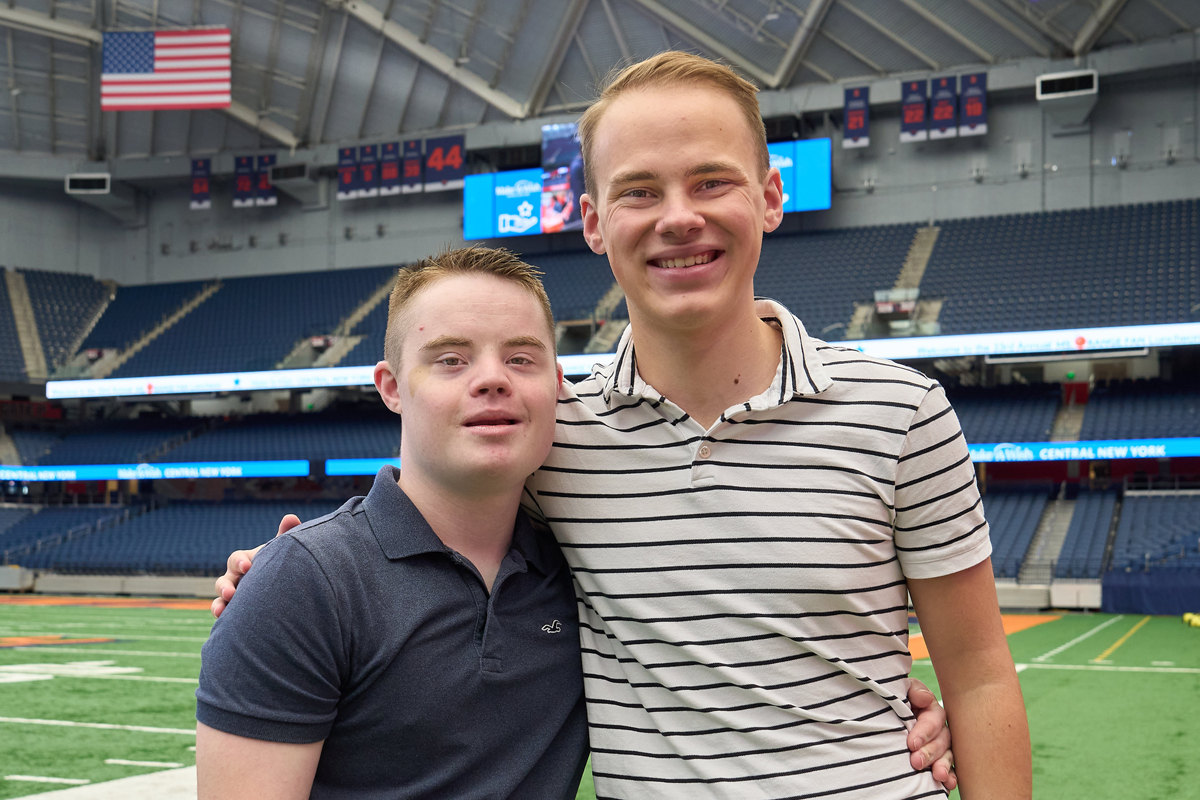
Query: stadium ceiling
x,y
308,73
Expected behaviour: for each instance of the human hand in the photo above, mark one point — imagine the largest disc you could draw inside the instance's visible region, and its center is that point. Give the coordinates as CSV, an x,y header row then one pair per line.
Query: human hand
x,y
239,564
929,739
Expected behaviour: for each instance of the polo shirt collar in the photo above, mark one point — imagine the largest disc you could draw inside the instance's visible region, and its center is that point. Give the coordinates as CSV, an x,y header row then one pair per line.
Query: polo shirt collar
x,y
402,531
800,369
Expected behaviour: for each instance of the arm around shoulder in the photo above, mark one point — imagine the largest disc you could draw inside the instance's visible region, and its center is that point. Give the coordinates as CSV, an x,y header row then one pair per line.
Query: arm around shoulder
x,y
230,767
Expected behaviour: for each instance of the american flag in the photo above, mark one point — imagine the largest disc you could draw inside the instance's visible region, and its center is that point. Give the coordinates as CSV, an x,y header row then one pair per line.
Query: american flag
x,y
166,69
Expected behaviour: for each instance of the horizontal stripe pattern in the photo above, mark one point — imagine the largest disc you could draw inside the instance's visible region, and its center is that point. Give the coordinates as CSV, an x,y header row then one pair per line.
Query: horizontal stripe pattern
x,y
743,613
166,69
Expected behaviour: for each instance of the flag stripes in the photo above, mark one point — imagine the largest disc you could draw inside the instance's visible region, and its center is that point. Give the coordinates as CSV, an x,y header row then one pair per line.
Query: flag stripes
x,y
166,69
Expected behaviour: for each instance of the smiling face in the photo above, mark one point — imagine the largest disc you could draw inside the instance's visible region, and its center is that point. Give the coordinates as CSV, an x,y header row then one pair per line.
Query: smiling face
x,y
477,384
682,202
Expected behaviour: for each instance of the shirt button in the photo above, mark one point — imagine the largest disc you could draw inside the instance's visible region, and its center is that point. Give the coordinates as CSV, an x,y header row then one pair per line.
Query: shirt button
x,y
704,451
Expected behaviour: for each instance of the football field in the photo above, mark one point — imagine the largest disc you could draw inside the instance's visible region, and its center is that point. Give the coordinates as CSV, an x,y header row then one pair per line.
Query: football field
x,y
94,689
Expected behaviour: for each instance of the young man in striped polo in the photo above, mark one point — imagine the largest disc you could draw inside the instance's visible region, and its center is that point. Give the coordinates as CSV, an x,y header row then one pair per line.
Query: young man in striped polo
x,y
744,507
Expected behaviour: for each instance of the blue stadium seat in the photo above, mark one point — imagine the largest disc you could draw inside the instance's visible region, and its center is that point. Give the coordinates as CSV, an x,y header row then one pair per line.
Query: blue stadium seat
x,y
136,310
1012,413
1012,520
12,362
1119,265
1142,409
1082,553
62,305
1158,530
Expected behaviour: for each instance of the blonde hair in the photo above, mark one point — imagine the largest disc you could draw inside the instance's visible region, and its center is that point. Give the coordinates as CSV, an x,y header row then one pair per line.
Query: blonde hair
x,y
673,68
474,260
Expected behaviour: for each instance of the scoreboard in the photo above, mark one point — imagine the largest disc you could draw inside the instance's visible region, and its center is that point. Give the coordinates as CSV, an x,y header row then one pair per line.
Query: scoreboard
x,y
501,204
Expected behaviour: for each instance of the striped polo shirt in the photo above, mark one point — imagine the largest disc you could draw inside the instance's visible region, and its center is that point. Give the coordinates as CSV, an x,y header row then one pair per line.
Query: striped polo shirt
x,y
742,599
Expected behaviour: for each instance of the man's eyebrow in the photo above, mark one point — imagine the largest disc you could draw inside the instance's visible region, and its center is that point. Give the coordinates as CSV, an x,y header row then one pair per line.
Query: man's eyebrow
x,y
525,341
634,176
446,341
710,167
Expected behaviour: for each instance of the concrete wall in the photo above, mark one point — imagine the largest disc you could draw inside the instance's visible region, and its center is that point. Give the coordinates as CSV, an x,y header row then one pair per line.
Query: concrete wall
x,y
41,228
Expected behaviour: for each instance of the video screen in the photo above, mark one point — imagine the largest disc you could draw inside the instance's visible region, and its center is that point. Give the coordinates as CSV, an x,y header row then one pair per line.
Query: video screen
x,y
562,178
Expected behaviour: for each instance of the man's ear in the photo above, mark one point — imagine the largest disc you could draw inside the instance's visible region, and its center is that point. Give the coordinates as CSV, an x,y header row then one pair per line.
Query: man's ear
x,y
773,193
591,224
387,386
559,370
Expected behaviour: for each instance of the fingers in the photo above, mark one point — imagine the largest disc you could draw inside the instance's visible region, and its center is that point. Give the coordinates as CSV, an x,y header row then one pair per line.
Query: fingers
x,y
218,606
935,751
943,771
287,523
931,721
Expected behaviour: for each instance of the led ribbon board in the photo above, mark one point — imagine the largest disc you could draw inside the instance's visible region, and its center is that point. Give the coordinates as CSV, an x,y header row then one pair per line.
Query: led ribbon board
x,y
167,471
1068,340
358,466
1100,449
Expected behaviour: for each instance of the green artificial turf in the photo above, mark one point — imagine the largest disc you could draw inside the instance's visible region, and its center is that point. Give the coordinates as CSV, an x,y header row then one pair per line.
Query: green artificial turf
x,y
1097,733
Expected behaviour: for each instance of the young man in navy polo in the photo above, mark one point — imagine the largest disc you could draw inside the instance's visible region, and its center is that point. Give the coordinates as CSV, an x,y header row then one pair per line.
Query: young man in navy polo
x,y
421,641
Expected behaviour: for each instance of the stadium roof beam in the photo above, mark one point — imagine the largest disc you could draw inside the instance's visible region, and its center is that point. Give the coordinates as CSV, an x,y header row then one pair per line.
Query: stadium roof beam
x,y
995,16
949,30
858,56
567,29
430,56
1095,26
1171,15
34,22
707,40
616,29
1043,23
883,29
814,15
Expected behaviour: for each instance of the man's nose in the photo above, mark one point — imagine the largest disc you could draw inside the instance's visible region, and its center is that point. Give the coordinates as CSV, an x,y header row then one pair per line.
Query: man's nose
x,y
679,215
491,377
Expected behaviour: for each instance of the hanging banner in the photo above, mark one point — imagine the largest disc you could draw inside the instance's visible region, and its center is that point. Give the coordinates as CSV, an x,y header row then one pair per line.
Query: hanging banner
x,y
914,117
943,109
368,171
389,169
347,173
243,182
201,173
264,192
445,163
972,99
856,114
410,167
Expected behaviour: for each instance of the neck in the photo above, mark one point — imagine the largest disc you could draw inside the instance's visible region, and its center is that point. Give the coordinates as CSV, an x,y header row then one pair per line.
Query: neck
x,y
707,370
476,525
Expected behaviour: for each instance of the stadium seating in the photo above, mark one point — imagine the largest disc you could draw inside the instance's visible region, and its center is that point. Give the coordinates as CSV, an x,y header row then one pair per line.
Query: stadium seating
x,y
1158,529
1120,265
118,441
1142,409
574,282
1012,413
1082,553
1012,519
12,362
304,436
184,538
819,276
32,445
370,350
53,521
136,310
253,323
11,516
62,305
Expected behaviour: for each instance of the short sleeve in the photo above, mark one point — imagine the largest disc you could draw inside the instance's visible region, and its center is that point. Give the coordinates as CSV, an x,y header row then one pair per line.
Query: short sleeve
x,y
272,667
940,528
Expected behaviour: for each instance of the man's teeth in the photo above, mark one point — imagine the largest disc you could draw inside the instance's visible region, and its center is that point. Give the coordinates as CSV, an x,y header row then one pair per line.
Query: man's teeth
x,y
689,261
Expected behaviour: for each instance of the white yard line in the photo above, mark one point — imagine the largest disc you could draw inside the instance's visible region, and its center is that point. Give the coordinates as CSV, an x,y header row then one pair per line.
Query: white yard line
x,y
53,648
1078,639
106,635
1101,668
126,763
104,726
149,678
43,779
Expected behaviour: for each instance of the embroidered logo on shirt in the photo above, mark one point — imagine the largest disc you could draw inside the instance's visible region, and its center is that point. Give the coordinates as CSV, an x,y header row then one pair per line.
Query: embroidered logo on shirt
x,y
553,627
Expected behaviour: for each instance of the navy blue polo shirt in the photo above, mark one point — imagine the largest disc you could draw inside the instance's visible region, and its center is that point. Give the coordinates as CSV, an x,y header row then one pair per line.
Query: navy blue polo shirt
x,y
364,630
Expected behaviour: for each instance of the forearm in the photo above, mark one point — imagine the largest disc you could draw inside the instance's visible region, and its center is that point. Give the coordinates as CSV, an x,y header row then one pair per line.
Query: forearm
x,y
991,738
230,767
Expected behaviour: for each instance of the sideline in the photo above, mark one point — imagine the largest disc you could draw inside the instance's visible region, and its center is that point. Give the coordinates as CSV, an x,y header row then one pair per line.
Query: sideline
x,y
171,784
1078,639
106,726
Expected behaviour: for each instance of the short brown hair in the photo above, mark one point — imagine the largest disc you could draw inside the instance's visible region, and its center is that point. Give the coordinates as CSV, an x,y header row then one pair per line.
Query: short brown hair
x,y
474,260
673,68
